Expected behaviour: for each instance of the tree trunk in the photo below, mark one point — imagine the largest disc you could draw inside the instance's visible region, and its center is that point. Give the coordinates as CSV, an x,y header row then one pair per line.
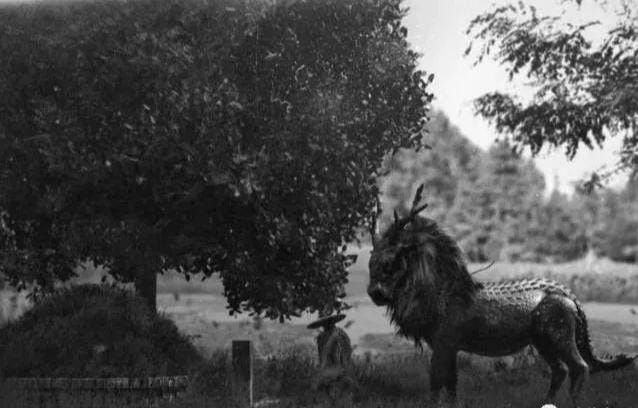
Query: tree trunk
x,y
146,287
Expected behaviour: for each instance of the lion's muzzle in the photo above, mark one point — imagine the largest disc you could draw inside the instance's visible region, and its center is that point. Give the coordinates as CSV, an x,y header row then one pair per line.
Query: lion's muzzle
x,y
378,294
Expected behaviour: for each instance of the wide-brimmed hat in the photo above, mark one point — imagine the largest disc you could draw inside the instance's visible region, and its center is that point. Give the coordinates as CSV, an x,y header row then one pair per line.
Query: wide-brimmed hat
x,y
326,321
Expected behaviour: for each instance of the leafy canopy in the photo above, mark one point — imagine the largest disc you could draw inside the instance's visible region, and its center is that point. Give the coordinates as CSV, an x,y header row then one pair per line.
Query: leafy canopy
x,y
232,137
585,88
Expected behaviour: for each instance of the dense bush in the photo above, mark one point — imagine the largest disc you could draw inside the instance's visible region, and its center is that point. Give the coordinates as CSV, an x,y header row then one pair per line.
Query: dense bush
x,y
93,331
212,380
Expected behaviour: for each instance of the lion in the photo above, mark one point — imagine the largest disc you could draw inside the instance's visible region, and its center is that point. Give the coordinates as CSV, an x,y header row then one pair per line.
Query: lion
x,y
419,274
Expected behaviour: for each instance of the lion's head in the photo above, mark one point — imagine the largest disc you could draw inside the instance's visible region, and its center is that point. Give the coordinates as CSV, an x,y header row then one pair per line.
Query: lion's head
x,y
402,258
390,255
414,257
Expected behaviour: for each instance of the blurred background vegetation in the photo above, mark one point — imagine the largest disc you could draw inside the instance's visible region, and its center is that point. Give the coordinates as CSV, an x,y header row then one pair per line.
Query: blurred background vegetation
x,y
496,205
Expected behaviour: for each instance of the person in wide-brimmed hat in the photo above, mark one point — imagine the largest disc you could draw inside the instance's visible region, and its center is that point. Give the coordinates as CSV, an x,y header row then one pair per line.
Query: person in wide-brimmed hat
x,y
335,357
333,343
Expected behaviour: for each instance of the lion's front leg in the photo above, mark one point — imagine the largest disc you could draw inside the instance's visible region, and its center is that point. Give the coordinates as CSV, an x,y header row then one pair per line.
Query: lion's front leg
x,y
443,371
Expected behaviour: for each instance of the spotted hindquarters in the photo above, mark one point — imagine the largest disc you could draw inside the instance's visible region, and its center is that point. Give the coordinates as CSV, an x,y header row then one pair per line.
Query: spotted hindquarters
x,y
554,323
561,336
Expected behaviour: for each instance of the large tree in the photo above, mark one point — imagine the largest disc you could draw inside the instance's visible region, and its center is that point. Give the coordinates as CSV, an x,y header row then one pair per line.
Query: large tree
x,y
232,137
585,87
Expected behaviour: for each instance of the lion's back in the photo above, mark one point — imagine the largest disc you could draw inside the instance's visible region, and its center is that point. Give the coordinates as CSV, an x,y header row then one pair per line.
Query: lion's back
x,y
523,289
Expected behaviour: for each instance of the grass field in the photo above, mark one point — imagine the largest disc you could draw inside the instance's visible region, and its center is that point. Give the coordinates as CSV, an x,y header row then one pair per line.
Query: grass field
x,y
612,326
388,370
599,280
398,380
401,380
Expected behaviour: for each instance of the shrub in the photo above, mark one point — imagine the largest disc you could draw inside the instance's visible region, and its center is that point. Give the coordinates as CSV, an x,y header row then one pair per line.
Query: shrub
x,y
212,380
93,331
284,374
287,373
403,375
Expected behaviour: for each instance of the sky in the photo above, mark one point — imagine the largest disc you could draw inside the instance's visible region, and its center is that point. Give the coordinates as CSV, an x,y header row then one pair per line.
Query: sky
x,y
436,29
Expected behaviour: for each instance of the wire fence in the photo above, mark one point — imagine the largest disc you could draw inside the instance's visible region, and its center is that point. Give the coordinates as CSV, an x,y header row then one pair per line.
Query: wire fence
x,y
90,392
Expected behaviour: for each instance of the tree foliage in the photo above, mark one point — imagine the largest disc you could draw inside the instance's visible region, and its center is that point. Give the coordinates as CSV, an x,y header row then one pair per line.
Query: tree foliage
x,y
561,232
493,202
615,235
229,137
451,160
494,216
488,201
585,89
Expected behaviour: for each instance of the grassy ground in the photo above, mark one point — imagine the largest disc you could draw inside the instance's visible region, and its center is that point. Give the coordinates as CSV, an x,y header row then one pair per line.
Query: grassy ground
x,y
401,380
395,380
591,279
397,377
388,371
391,373
203,317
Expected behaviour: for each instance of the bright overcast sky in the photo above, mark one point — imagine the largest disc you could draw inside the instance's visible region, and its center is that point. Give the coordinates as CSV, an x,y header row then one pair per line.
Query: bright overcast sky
x,y
436,29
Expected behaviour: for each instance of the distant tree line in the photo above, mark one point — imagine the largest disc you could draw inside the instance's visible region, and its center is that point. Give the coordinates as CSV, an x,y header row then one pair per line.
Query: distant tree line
x,y
583,93
493,202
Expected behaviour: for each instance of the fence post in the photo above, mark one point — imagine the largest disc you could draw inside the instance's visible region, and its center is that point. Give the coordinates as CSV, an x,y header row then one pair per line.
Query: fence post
x,y
242,373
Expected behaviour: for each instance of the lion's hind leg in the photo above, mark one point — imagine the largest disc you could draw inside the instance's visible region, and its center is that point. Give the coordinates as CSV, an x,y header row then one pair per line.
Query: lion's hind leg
x,y
558,368
555,338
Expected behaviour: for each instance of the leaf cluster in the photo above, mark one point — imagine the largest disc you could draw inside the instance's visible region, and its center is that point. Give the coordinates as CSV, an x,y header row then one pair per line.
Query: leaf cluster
x,y
584,89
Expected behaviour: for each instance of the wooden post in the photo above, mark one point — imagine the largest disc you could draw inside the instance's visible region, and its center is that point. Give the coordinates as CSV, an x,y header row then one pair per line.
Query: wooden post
x,y
242,373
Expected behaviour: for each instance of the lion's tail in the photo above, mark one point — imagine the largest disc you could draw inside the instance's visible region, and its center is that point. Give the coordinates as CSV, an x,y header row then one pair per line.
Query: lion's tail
x,y
583,342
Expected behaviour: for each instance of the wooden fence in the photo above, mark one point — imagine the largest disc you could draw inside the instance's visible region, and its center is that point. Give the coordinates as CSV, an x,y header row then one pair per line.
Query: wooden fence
x,y
90,392
122,392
